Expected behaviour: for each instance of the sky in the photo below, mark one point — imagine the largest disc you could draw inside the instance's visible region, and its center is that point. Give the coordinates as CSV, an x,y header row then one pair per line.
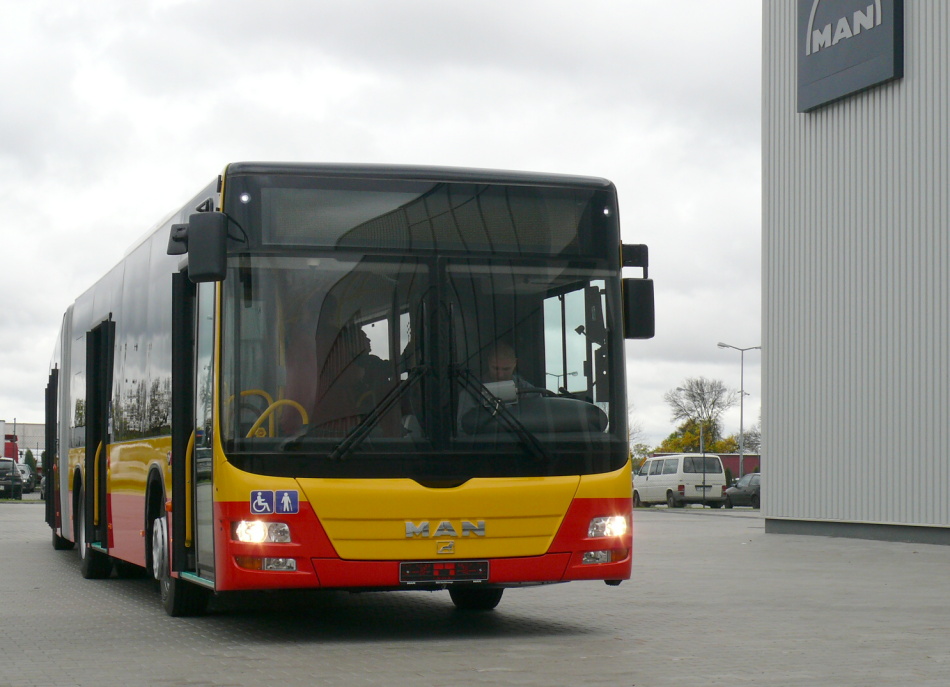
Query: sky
x,y
114,113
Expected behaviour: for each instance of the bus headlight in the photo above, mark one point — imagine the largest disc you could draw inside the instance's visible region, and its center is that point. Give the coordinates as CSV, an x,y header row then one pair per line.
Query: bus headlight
x,y
259,532
610,526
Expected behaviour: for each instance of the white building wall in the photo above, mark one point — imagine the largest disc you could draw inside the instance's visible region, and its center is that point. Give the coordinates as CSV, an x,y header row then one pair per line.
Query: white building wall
x,y
856,287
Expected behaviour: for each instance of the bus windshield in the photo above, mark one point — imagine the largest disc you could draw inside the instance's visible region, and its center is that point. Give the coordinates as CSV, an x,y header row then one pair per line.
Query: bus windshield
x,y
507,366
425,362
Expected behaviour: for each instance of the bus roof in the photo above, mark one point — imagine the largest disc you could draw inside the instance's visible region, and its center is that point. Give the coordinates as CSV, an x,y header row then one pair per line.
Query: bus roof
x,y
420,173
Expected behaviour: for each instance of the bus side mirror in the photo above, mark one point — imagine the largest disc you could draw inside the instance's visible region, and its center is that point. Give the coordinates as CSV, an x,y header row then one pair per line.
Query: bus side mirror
x,y
204,239
638,309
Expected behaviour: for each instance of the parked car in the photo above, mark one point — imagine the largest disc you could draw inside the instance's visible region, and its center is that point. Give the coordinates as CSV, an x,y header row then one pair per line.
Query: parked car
x,y
29,478
11,483
680,479
745,491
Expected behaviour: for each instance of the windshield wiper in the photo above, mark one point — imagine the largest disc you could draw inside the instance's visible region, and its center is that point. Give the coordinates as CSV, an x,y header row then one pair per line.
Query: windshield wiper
x,y
497,409
366,425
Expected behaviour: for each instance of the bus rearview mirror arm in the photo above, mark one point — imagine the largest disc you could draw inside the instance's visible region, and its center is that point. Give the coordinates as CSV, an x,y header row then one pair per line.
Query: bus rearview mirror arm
x,y
639,318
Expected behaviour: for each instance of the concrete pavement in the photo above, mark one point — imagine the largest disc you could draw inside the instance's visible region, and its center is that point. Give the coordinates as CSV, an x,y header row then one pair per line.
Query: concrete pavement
x,y
715,601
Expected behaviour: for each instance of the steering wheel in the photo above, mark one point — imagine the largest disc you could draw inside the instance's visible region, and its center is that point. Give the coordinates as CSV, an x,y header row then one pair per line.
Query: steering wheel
x,y
257,429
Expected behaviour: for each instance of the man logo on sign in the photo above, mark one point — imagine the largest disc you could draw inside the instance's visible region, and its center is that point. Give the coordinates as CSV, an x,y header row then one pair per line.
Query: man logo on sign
x,y
847,46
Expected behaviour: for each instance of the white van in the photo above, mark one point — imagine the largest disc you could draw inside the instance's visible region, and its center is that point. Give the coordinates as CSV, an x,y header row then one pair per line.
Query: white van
x,y
680,479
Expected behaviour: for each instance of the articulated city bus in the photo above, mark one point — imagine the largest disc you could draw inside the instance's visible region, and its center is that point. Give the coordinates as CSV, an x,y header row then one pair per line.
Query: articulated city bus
x,y
358,378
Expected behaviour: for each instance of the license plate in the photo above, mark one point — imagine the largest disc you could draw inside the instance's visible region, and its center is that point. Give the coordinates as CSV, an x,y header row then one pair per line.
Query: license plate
x,y
702,487
443,571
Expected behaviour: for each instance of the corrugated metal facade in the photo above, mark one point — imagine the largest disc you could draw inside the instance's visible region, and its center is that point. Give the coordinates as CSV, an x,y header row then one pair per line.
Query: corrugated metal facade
x,y
856,281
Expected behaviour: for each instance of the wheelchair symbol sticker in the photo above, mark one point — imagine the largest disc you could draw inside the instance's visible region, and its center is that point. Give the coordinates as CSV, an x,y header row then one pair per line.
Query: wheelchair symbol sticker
x,y
262,502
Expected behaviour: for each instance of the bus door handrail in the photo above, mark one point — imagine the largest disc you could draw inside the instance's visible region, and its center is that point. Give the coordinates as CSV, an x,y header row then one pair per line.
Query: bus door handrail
x,y
189,496
95,485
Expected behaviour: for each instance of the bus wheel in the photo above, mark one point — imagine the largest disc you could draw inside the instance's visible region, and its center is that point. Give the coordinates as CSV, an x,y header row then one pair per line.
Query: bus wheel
x,y
179,597
93,565
475,598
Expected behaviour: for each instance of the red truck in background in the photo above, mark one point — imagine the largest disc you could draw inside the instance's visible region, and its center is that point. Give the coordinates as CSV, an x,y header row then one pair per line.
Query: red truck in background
x,y
10,448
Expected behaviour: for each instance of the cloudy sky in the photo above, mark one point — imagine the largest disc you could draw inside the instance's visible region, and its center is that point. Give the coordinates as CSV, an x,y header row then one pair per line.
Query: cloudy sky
x,y
113,113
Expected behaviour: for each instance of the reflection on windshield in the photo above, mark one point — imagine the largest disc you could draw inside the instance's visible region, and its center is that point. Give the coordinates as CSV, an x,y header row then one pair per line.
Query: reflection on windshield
x,y
343,357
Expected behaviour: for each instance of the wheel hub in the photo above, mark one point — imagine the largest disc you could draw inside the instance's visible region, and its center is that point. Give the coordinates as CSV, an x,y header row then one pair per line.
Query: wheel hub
x,y
159,549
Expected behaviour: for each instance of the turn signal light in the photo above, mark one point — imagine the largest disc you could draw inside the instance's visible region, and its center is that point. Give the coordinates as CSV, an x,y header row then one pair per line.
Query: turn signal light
x,y
268,564
609,556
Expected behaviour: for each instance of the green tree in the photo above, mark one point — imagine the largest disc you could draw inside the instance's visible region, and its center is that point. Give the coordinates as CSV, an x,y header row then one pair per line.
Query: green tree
x,y
638,454
686,439
30,460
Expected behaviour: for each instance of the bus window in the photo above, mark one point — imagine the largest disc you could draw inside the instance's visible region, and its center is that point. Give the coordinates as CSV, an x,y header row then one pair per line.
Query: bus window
x,y
575,341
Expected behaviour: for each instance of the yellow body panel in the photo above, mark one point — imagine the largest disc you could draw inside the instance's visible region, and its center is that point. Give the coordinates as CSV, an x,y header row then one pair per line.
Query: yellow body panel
x,y
75,460
609,485
367,519
130,461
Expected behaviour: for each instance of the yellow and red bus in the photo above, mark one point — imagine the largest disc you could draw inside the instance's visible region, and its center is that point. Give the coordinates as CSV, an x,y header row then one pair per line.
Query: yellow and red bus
x,y
293,382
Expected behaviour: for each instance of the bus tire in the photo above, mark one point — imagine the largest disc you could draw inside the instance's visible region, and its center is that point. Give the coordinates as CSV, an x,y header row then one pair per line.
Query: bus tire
x,y
93,565
470,598
180,598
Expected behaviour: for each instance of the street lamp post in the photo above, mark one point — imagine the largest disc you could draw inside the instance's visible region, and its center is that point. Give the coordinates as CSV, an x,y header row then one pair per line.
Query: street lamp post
x,y
741,395
557,377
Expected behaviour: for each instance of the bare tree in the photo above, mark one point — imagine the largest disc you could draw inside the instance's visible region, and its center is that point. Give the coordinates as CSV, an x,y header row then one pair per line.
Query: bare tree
x,y
634,426
752,441
701,400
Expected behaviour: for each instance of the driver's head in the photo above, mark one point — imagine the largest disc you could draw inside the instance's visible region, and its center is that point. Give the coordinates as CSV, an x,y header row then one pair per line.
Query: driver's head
x,y
501,363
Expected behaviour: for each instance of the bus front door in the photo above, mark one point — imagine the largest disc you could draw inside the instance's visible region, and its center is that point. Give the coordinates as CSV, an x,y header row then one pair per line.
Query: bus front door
x,y
192,546
203,463
93,523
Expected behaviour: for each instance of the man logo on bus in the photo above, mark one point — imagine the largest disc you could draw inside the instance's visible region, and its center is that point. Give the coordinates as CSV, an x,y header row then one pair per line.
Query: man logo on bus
x,y
445,529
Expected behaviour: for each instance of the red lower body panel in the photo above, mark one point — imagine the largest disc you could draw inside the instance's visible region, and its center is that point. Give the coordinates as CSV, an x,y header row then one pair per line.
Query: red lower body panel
x,y
318,565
